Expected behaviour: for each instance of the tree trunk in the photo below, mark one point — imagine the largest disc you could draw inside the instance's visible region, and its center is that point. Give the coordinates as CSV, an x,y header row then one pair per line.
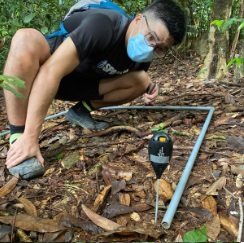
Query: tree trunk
x,y
239,71
218,43
233,49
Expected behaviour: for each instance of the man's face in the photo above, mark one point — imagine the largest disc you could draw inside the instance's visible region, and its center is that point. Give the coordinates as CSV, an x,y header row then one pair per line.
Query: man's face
x,y
155,33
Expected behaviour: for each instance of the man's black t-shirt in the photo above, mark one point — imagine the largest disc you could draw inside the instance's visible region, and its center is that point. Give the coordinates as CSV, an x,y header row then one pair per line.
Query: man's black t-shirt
x,y
99,36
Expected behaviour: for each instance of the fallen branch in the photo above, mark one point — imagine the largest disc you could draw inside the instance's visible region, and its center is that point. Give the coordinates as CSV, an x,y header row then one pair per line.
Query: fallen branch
x,y
230,83
165,99
137,132
176,120
101,144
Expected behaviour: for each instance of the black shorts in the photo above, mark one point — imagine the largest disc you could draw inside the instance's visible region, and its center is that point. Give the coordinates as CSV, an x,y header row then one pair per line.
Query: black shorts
x,y
76,86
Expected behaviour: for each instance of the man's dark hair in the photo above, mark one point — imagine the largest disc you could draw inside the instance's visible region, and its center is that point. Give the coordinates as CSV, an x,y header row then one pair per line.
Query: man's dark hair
x,y
171,15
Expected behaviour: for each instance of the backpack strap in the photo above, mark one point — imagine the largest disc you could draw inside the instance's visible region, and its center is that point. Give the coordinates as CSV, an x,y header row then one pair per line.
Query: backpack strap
x,y
109,5
61,32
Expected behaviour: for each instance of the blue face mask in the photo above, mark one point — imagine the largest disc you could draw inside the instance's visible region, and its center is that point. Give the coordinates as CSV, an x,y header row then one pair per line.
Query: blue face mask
x,y
138,50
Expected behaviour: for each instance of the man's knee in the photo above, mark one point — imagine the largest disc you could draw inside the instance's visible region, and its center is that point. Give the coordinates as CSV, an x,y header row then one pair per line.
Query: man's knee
x,y
29,42
141,79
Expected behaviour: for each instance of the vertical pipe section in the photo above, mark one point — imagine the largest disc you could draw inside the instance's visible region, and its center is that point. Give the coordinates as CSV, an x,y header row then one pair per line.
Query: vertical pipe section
x,y
168,217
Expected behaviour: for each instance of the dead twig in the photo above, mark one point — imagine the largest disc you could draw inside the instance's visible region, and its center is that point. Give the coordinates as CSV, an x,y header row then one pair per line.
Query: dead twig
x,y
230,83
164,99
101,144
241,221
3,142
137,132
176,120
13,225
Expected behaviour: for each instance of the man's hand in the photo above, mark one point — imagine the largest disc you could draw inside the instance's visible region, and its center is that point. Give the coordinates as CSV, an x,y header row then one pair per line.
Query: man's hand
x,y
23,148
151,94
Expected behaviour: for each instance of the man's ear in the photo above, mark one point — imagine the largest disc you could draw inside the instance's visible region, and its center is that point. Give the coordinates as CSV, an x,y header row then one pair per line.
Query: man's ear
x,y
138,18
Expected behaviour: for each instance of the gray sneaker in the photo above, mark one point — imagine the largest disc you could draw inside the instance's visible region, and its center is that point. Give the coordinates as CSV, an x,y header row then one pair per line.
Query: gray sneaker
x,y
83,118
28,169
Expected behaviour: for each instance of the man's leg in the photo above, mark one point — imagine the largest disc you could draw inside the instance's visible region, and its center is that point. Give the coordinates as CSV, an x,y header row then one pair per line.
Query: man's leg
x,y
28,51
122,89
115,91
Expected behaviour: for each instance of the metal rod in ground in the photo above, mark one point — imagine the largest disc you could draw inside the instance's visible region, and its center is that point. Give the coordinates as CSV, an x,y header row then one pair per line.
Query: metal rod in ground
x,y
156,205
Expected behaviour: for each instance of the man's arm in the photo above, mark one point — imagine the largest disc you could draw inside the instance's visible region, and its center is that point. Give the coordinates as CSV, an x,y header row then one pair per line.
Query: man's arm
x,y
62,62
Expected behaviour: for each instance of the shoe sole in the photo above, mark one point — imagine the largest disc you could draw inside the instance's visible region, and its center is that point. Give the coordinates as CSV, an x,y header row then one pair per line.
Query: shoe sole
x,y
71,117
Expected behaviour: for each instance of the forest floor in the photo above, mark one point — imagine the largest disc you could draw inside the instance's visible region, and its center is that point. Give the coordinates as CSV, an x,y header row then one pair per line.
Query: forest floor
x,y
100,186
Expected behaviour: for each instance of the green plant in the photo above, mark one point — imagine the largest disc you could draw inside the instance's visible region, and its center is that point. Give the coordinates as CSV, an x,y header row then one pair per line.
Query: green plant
x,y
159,128
223,25
196,235
43,15
200,16
7,82
238,60
59,156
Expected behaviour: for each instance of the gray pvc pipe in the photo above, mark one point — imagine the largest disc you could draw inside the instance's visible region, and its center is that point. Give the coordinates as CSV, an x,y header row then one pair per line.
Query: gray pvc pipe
x,y
170,212
168,217
47,118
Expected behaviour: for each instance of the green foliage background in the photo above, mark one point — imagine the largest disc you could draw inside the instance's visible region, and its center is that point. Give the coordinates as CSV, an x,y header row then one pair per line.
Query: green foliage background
x,y
45,15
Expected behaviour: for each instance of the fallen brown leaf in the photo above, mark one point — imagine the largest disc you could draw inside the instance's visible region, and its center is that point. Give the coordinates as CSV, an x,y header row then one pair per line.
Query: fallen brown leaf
x,y
230,99
165,190
28,206
104,223
229,225
141,207
116,209
124,199
122,220
117,186
213,228
30,223
117,173
210,204
101,198
9,186
237,170
133,231
52,236
217,185
178,238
